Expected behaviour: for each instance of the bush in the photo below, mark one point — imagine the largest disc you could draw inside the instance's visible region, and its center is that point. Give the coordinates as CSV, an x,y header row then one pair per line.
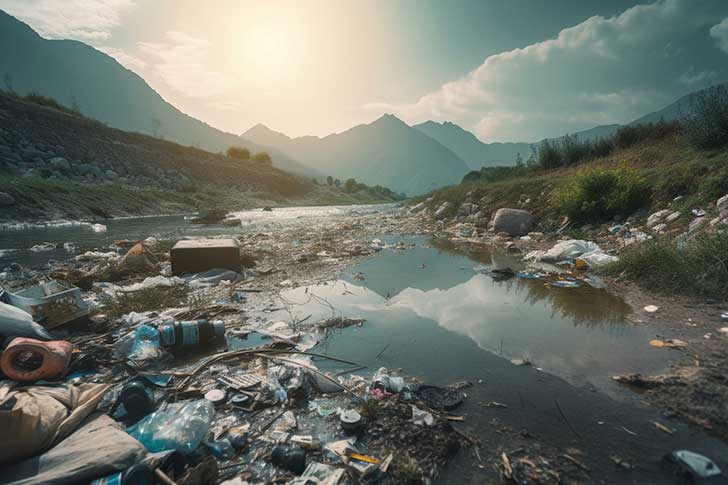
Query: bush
x,y
238,152
628,136
262,158
41,100
697,268
600,194
706,124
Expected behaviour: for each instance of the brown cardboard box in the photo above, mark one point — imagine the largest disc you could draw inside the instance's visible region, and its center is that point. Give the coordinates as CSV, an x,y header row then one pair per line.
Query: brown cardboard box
x,y
196,255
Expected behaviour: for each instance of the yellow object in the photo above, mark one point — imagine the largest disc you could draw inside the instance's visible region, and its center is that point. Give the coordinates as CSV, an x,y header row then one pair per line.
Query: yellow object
x,y
364,458
580,264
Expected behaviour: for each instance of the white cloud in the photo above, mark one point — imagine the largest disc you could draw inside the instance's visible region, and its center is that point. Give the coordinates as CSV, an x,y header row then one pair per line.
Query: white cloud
x,y
86,20
720,34
603,70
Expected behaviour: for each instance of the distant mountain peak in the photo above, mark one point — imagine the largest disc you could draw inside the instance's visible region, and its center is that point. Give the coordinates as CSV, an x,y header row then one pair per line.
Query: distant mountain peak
x,y
390,119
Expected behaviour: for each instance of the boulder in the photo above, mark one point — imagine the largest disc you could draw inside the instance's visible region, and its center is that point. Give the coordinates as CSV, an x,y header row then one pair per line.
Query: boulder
x,y
514,222
6,199
722,206
672,217
657,217
697,224
60,163
439,213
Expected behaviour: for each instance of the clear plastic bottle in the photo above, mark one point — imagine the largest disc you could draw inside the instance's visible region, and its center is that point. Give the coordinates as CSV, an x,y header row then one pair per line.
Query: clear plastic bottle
x,y
180,427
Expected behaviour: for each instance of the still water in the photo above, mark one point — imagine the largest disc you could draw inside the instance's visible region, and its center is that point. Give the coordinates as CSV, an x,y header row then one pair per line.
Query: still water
x,y
437,314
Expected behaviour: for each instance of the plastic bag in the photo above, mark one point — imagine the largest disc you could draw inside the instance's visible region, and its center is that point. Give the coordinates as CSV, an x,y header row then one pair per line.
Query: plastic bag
x,y
141,345
15,322
180,427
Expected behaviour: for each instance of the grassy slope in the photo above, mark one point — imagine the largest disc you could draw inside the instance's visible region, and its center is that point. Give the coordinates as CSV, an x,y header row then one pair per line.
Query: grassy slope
x,y
671,167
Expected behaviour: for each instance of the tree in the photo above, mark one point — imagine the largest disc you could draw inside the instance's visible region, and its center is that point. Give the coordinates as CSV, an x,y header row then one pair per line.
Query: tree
x,y
330,180
238,152
262,158
350,186
337,182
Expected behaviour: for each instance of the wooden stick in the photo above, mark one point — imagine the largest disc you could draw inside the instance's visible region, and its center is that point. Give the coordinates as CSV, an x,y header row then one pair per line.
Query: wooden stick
x,y
163,477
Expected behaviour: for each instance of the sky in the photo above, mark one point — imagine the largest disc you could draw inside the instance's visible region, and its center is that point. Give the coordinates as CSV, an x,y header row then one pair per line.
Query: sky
x,y
516,70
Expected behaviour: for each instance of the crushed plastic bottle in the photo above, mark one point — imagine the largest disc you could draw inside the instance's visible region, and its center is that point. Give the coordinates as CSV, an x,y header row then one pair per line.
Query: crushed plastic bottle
x,y
142,345
180,427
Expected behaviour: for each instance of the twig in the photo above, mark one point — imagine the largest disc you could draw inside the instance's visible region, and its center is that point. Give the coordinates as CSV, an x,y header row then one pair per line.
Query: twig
x,y
315,371
380,353
576,462
163,477
558,406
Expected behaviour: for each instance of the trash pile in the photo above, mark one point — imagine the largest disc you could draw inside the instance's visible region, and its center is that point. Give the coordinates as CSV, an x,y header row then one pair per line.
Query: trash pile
x,y
94,390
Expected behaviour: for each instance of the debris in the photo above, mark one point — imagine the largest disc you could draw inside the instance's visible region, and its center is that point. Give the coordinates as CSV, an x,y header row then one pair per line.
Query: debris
x,y
651,308
180,427
662,427
289,458
194,333
672,343
140,473
694,464
135,400
51,304
521,362
215,396
507,468
440,398
197,255
351,421
16,322
28,360
319,474
39,416
420,417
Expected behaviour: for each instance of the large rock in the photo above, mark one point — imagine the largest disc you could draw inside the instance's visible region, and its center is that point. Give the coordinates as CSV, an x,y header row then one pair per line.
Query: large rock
x,y
514,222
657,217
60,163
6,199
440,212
722,206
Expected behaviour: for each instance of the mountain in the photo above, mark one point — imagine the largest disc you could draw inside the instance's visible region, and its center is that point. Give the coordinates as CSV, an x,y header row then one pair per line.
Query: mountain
x,y
80,76
385,152
675,110
473,151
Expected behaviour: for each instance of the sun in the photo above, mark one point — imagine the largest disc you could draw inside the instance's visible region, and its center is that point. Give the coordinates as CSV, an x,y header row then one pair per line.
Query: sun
x,y
265,48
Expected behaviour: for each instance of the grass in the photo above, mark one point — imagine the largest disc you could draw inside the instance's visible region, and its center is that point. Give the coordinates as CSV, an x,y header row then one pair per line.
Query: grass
x,y
697,268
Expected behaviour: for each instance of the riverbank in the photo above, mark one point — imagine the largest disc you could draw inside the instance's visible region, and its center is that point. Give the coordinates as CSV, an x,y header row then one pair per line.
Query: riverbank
x,y
548,429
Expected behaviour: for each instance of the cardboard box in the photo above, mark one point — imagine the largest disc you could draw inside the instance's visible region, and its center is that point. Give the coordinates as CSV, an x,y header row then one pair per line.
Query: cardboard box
x,y
197,255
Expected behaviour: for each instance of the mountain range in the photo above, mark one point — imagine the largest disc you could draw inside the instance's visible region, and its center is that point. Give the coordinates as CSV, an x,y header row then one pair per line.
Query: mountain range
x,y
388,152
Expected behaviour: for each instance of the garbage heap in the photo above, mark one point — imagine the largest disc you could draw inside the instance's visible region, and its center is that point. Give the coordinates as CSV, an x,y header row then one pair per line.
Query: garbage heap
x,y
95,391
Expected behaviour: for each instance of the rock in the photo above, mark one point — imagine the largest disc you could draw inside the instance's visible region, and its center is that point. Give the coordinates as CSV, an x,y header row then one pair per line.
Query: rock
x,y
6,199
657,217
659,228
722,206
418,208
465,209
89,170
60,163
514,222
697,224
672,217
439,213
110,174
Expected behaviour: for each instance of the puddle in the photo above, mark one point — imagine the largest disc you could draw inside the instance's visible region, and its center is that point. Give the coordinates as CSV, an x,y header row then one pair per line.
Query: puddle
x,y
433,313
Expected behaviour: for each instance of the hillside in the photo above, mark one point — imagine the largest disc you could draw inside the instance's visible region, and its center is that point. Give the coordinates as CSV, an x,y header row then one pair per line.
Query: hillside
x,y
78,75
473,151
55,164
385,152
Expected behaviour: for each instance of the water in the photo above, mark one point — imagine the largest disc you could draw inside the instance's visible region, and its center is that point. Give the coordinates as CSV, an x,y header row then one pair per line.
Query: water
x,y
430,301
16,242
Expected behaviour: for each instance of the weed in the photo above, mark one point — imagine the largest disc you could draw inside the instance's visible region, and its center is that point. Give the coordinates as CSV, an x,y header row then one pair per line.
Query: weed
x,y
407,471
370,408
152,299
698,267
597,195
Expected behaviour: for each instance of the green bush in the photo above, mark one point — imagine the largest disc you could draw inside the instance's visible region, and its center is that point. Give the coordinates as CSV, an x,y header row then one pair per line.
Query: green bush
x,y
600,194
238,152
41,100
262,158
696,268
706,123
630,135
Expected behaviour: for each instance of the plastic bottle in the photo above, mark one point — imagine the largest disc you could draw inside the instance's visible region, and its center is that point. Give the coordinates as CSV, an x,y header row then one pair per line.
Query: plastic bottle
x,y
135,475
179,427
137,398
193,333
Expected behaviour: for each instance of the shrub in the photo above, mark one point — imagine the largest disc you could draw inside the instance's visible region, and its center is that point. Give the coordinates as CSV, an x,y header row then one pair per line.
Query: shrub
x,y
706,123
600,194
263,158
697,268
628,136
48,102
238,152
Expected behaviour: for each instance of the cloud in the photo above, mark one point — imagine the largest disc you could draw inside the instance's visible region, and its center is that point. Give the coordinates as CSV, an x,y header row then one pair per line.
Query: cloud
x,y
720,34
603,70
86,20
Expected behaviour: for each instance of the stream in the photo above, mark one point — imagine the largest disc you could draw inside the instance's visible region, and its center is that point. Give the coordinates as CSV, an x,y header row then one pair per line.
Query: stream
x,y
434,312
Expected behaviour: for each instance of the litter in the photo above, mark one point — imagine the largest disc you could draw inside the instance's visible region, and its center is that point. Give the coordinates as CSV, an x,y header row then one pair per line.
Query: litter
x,y
695,464
420,417
186,334
197,255
51,304
28,360
319,474
15,322
135,400
651,308
669,343
564,284
289,458
215,396
662,427
440,398
139,474
351,421
180,427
